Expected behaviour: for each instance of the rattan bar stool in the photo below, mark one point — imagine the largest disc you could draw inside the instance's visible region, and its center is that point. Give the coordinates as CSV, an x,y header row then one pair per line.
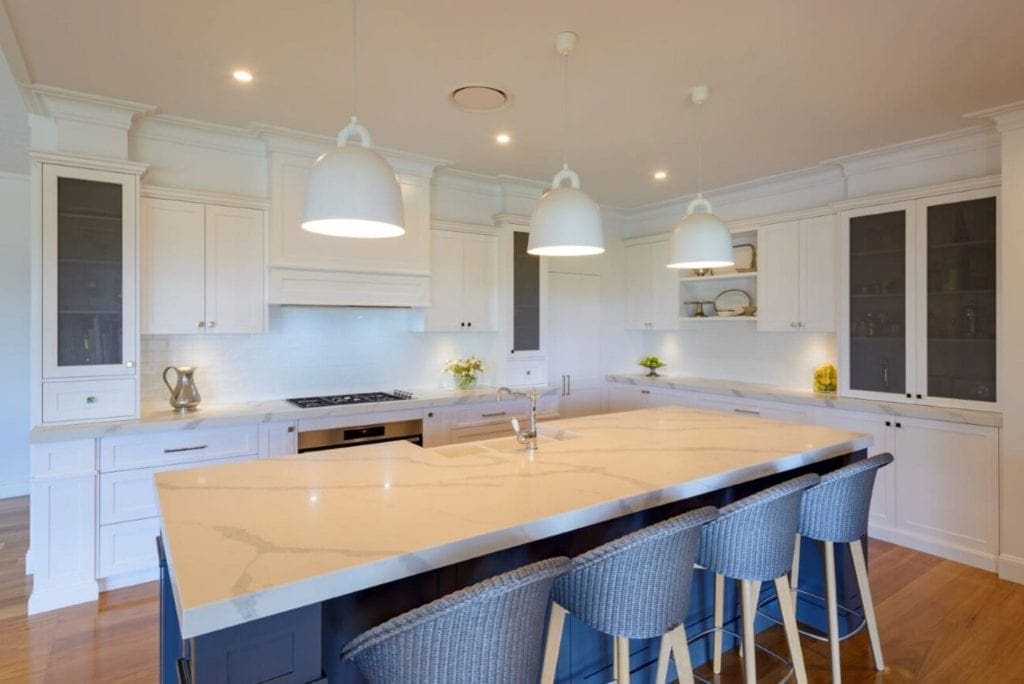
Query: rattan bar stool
x,y
488,632
635,587
752,542
835,511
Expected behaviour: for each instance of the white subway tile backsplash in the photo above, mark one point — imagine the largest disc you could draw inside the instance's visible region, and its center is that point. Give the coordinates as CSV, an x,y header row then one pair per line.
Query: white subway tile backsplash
x,y
313,350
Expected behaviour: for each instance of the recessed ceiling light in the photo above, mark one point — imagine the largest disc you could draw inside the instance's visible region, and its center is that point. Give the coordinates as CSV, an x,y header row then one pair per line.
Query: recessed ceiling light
x,y
242,75
503,138
660,175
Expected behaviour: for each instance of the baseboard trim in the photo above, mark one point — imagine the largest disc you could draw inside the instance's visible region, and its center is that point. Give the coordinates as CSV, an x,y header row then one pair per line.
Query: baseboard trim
x,y
43,600
10,490
1011,568
953,552
129,579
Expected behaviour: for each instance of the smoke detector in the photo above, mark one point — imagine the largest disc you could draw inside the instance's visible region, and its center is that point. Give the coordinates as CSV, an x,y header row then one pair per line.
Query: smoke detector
x,y
479,98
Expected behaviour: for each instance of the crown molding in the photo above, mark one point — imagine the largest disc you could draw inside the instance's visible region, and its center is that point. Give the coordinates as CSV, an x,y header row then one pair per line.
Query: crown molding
x,y
201,196
509,219
918,193
1007,117
200,134
468,181
462,226
71,105
920,149
97,163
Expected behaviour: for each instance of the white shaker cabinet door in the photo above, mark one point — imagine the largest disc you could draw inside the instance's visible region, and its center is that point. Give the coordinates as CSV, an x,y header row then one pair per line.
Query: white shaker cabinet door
x,y
881,428
235,297
172,246
664,289
947,487
639,294
778,277
446,278
818,274
479,282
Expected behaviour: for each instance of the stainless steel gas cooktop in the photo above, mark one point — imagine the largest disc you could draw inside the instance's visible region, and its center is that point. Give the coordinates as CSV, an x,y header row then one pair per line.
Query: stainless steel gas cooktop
x,y
348,399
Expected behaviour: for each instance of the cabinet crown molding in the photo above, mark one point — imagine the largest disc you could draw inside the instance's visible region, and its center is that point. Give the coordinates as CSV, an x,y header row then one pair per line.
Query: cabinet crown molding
x,y
1007,117
917,150
203,197
73,105
515,220
97,163
918,193
462,227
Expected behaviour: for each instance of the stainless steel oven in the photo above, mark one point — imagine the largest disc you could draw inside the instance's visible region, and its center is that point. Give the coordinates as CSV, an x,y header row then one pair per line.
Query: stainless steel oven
x,y
356,435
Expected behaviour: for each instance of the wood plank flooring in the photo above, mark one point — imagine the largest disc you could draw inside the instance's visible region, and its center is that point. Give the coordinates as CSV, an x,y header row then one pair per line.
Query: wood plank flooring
x,y
939,621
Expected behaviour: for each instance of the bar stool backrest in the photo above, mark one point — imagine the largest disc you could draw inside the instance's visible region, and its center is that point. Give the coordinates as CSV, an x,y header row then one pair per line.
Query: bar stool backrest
x,y
836,509
753,537
492,631
637,586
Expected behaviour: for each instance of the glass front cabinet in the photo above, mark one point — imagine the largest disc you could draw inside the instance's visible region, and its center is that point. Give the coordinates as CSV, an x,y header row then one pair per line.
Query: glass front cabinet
x,y
919,300
88,291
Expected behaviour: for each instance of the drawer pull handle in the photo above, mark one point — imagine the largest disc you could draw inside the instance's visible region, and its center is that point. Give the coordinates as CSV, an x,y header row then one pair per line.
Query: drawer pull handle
x,y
492,415
179,449
90,400
747,412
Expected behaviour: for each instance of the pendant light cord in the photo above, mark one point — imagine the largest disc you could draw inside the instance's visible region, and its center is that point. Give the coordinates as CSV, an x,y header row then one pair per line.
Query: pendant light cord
x,y
355,57
700,155
565,110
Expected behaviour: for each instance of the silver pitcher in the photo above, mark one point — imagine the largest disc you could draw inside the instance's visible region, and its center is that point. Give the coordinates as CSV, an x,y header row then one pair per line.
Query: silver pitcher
x,y
184,393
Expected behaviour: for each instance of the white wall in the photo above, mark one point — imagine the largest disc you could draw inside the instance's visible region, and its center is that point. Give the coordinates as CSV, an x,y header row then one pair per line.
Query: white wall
x,y
14,337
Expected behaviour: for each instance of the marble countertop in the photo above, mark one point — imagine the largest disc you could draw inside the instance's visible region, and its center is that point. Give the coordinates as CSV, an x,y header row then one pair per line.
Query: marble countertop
x,y
252,539
746,390
162,418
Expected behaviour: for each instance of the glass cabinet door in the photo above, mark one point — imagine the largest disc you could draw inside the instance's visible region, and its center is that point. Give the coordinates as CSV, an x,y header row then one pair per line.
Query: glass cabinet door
x,y
960,253
878,302
88,220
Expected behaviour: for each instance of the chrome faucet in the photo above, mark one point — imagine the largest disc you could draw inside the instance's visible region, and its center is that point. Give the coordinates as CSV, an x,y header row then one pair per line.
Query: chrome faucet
x,y
528,437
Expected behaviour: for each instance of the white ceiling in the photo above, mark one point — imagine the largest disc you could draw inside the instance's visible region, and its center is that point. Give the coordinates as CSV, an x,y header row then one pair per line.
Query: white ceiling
x,y
793,81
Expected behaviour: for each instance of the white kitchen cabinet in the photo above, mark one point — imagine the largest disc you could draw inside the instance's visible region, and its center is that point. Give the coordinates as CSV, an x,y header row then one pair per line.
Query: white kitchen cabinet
x,y
464,282
919,299
652,289
796,275
882,429
574,314
624,398
280,438
202,268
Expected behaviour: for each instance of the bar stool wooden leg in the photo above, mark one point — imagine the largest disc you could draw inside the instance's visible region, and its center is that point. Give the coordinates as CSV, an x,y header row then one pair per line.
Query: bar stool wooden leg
x,y
794,576
857,552
719,619
833,612
622,660
556,623
789,624
748,599
664,653
681,655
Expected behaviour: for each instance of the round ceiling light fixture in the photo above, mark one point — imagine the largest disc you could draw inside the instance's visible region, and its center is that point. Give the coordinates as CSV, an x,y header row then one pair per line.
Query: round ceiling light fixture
x,y
352,191
565,222
479,98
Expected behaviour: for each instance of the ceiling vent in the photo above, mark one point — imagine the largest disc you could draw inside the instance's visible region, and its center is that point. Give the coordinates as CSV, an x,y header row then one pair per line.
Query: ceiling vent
x,y
477,97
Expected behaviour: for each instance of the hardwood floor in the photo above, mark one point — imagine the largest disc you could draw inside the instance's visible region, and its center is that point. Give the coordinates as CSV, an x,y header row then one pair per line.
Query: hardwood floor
x,y
939,621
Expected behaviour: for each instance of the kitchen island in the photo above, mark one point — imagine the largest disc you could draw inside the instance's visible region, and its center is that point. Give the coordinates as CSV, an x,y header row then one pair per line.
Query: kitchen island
x,y
277,563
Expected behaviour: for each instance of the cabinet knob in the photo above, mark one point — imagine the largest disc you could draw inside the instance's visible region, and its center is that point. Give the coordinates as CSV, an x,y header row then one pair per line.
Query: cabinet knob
x,y
899,425
469,324
793,324
909,396
430,414
919,396
888,423
212,324
291,428
90,400
201,324
462,324
129,364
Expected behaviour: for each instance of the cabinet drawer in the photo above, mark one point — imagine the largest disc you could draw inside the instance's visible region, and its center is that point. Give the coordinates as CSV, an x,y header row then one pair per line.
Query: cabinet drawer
x,y
128,546
88,400
490,413
185,446
129,494
63,459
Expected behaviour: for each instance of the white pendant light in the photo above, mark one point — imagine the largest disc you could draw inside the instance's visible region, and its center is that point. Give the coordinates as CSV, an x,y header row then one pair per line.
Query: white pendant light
x,y
352,191
700,241
565,222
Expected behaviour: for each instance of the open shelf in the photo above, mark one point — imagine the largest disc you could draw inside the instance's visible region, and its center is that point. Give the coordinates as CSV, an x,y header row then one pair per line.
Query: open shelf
x,y
723,276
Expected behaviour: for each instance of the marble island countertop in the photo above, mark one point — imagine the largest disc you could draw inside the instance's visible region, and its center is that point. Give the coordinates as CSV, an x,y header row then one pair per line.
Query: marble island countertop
x,y
252,539
162,418
746,390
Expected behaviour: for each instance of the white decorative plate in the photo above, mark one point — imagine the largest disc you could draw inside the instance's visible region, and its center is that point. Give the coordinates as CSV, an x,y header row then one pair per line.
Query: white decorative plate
x,y
732,301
